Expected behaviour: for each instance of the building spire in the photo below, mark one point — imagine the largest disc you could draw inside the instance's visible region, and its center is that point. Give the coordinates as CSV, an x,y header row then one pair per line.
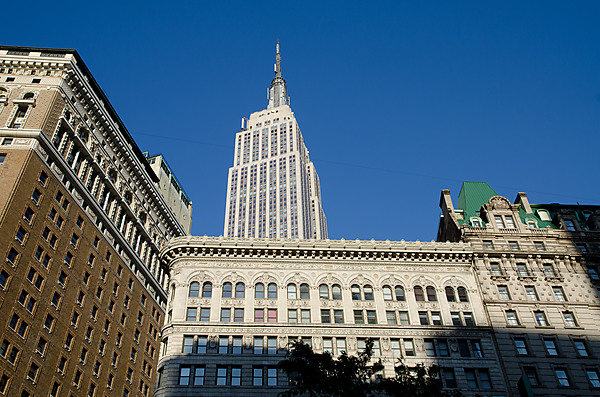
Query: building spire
x,y
278,91
278,60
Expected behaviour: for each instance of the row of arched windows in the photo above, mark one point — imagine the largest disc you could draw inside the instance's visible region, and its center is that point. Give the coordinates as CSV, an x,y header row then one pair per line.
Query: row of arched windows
x,y
325,292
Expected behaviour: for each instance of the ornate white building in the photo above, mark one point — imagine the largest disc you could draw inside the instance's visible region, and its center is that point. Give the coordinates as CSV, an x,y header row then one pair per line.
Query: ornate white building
x,y
235,304
273,189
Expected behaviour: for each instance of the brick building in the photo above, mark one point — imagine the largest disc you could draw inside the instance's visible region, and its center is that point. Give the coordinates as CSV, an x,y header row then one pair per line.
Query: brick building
x,y
82,219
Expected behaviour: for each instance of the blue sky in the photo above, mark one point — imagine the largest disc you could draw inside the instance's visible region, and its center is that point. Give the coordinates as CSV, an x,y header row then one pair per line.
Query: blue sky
x,y
396,100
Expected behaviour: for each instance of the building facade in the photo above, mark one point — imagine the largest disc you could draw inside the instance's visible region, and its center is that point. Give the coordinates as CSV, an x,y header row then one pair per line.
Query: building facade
x,y
82,220
236,304
536,266
273,190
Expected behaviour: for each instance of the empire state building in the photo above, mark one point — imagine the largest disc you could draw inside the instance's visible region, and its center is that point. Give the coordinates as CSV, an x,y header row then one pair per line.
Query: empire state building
x,y
273,190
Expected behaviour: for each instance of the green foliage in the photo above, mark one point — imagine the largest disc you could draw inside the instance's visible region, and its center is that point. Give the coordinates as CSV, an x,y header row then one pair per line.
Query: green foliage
x,y
321,375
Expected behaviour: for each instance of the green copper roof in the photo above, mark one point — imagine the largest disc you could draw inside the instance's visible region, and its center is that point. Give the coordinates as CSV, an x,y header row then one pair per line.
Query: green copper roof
x,y
472,196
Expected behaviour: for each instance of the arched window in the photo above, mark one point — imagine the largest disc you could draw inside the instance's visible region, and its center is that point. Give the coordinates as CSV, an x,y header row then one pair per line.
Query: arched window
x,y
259,291
227,290
387,293
450,294
272,291
28,96
419,297
292,291
207,290
400,293
368,290
336,292
355,292
304,291
194,290
240,290
431,296
462,294
323,291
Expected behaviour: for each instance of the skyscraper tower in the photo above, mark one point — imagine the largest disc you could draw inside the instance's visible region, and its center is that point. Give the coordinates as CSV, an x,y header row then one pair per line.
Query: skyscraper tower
x,y
273,189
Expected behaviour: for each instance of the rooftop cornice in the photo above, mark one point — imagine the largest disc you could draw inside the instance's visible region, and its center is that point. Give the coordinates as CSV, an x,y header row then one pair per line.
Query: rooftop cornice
x,y
206,246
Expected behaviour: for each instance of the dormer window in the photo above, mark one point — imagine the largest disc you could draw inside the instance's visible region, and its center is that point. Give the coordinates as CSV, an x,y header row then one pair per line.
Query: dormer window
x,y
476,222
544,215
531,223
570,225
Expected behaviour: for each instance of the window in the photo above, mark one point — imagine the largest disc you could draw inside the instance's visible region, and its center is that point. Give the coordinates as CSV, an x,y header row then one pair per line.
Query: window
x,y
358,317
559,294
436,318
271,345
41,346
225,315
488,245
522,270
391,317
188,344
569,318
423,318
194,291
368,292
593,377
443,348
561,377
236,376
292,291
539,245
371,317
450,294
503,292
28,214
531,223
191,314
199,376
531,293
531,374
550,345
12,256
409,347
355,290
257,376
184,375
326,316
513,245
510,224
495,269
570,225
449,378
521,346
462,294
304,291
430,348
272,313
258,344
499,221
292,315
549,271
207,290
336,292
511,318
540,318
581,347
259,291
419,297
323,291
240,290
35,196
33,372
271,376
223,344
2,157
237,345
272,291
431,295
238,315
463,348
403,316
202,344
305,316
387,293
221,376
3,278
259,315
